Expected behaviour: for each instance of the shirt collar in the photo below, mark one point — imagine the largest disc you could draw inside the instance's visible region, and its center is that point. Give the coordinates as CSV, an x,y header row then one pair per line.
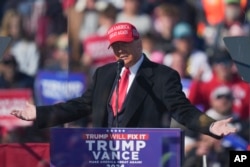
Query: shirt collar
x,y
133,69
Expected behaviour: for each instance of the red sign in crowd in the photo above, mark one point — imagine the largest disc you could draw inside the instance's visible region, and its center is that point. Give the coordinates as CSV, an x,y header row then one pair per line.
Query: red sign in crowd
x,y
13,99
97,48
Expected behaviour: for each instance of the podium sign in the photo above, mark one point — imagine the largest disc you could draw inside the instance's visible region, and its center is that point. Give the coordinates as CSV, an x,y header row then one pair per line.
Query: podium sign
x,y
116,147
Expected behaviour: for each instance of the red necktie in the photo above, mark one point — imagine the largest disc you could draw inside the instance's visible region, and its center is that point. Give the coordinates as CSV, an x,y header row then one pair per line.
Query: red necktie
x,y
123,85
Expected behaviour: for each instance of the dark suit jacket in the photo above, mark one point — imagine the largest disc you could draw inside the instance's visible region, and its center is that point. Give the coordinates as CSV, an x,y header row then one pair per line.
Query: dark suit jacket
x,y
156,90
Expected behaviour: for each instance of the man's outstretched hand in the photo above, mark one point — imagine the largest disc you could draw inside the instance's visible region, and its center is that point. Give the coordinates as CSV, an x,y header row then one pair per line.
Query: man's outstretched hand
x,y
28,113
222,128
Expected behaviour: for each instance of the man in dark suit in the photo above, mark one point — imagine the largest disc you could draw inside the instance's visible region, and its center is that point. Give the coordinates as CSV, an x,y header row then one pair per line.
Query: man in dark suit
x,y
153,90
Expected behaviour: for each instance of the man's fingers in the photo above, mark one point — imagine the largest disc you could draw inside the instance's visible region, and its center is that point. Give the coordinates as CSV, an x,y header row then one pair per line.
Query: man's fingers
x,y
17,113
233,130
27,103
14,112
229,119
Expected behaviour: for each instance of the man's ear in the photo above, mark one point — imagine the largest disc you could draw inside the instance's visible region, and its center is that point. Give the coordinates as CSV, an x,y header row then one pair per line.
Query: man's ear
x,y
139,45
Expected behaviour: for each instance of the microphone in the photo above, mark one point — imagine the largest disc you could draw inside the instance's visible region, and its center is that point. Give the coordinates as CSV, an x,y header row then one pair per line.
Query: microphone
x,y
120,64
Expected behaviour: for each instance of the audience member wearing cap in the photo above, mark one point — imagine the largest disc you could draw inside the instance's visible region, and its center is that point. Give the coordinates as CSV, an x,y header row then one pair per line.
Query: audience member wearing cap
x,y
221,107
184,42
221,102
182,30
223,74
153,90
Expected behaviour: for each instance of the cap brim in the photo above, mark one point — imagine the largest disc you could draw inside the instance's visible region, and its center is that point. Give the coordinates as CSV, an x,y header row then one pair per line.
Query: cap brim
x,y
121,40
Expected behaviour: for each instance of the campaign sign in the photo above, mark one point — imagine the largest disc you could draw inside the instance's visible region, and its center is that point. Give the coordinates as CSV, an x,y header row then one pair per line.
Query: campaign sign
x,y
53,87
97,48
116,147
11,99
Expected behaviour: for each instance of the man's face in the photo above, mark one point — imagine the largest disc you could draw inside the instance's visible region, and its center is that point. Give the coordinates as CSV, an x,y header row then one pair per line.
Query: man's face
x,y
222,104
232,12
223,69
130,52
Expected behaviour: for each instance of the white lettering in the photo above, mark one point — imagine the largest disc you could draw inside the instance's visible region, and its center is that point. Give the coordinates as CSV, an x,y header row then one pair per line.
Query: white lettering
x,y
90,143
103,145
126,155
239,158
140,145
96,155
61,89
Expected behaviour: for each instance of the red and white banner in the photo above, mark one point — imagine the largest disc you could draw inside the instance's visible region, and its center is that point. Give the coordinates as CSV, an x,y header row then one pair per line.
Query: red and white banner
x,y
97,48
25,155
13,99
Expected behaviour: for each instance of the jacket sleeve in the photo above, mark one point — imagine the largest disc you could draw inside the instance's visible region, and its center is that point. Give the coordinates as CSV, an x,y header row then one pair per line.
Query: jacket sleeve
x,y
182,110
71,110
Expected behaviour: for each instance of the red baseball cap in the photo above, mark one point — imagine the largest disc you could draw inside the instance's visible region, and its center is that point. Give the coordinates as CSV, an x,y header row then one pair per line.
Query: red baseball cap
x,y
122,32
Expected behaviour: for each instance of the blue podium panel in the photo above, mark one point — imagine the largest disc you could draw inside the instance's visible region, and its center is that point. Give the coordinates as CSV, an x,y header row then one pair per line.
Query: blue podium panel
x,y
116,147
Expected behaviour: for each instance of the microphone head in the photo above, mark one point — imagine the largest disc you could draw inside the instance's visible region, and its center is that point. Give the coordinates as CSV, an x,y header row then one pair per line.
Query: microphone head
x,y
120,62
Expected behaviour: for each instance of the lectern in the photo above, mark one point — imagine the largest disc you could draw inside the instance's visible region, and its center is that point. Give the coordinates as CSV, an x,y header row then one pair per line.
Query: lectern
x,y
116,147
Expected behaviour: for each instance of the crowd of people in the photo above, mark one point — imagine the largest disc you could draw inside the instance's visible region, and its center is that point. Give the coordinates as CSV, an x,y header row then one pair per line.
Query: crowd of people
x,y
186,35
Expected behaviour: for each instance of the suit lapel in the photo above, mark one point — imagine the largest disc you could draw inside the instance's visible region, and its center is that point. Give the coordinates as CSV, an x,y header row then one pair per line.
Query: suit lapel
x,y
107,82
138,91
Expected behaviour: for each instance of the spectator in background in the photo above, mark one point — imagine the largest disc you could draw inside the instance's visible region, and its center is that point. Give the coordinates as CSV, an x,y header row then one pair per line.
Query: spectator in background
x,y
23,46
179,63
208,7
107,17
223,74
48,20
221,102
10,25
212,18
209,147
59,60
130,13
95,52
89,23
150,49
231,25
26,51
221,107
11,77
184,43
188,11
165,16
